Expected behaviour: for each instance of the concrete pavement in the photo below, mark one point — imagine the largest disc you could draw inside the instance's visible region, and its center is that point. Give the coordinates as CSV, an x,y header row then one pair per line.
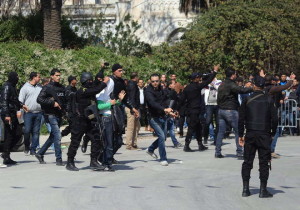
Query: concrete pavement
x,y
191,181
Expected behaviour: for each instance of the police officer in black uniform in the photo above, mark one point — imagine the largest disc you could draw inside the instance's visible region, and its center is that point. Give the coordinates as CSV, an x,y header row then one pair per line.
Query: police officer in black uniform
x,y
191,96
259,115
81,124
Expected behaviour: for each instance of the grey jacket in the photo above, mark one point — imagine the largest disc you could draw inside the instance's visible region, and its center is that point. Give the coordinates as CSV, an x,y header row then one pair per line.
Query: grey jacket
x,y
28,95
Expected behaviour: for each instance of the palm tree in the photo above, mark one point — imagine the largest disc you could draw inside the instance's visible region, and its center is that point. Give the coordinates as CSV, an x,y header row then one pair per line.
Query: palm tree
x,y
52,23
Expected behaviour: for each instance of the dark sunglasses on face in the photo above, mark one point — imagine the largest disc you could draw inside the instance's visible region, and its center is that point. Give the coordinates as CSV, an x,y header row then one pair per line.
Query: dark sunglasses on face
x,y
153,81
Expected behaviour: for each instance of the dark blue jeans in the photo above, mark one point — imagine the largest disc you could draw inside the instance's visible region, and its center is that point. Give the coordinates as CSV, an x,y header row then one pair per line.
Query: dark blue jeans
x,y
211,112
170,129
231,118
55,136
32,125
159,124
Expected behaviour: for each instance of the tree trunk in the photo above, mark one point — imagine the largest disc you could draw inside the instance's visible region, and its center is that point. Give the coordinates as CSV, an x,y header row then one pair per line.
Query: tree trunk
x,y
52,25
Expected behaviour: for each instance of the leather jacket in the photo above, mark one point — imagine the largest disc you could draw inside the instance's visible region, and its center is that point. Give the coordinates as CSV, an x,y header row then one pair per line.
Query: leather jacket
x,y
133,94
9,101
228,95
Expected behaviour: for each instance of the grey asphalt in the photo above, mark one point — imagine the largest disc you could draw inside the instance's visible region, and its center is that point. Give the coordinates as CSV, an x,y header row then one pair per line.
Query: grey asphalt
x,y
191,181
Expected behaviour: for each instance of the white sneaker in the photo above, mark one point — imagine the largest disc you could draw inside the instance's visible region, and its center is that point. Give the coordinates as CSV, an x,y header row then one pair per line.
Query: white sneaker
x,y
152,154
164,163
2,165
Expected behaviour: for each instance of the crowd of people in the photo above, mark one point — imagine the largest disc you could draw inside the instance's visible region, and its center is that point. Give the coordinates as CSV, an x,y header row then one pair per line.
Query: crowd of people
x,y
99,109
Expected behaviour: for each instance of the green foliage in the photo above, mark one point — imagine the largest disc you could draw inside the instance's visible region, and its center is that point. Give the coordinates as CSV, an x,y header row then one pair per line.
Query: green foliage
x,y
245,35
25,57
30,28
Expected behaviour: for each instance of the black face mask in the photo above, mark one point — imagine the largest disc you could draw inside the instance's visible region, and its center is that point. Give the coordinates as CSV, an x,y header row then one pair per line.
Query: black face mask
x,y
13,78
88,84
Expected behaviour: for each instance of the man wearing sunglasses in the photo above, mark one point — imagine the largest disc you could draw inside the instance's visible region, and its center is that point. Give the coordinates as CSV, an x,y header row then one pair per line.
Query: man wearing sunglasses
x,y
158,105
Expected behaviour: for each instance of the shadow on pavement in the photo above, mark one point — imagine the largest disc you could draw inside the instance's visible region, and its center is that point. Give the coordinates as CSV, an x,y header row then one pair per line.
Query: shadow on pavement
x,y
270,189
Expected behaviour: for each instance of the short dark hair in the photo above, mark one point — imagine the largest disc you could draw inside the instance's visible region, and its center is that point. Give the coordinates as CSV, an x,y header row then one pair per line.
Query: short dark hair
x,y
133,75
154,75
54,70
32,75
229,72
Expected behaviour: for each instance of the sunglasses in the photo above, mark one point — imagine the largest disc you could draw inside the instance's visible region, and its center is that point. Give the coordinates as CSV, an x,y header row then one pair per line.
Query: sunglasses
x,y
153,81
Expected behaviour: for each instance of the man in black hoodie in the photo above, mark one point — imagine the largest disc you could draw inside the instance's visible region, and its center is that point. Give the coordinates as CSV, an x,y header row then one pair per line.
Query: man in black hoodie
x,y
53,102
81,124
10,104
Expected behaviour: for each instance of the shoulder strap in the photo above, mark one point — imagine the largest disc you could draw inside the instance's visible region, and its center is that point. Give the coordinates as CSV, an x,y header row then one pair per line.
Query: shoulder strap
x,y
255,97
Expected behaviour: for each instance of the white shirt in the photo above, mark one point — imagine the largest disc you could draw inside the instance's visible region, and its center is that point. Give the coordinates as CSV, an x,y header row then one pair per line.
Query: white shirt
x,y
142,99
104,95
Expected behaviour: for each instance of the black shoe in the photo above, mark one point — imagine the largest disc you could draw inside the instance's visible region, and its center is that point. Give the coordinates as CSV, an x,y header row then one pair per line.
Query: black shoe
x,y
40,158
205,141
71,165
114,161
109,168
246,191
94,165
202,147
219,156
263,192
7,160
187,148
59,162
32,153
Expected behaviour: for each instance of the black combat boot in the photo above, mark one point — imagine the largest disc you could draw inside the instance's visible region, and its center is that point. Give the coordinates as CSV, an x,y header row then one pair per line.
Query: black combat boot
x,y
186,147
71,165
263,192
246,191
59,162
201,146
84,144
95,165
7,160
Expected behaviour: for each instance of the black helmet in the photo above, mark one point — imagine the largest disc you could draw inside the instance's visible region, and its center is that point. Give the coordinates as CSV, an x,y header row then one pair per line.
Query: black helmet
x,y
85,76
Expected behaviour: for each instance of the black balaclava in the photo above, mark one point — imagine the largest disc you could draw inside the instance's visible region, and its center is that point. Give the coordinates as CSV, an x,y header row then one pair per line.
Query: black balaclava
x,y
13,78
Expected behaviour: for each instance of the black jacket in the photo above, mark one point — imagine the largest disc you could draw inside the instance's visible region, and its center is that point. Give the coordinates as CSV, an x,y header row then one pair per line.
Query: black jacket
x,y
85,96
9,102
51,93
258,113
157,100
70,93
192,97
228,95
133,94
119,85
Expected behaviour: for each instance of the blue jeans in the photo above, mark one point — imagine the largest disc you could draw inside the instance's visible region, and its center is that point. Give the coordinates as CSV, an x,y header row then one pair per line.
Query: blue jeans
x,y
55,136
170,129
230,117
211,113
32,125
159,124
274,141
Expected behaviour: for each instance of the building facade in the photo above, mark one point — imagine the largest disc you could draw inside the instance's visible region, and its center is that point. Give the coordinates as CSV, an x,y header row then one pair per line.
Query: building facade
x,y
160,20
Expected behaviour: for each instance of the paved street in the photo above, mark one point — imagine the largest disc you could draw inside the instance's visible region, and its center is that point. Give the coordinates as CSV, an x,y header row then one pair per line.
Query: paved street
x,y
192,181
